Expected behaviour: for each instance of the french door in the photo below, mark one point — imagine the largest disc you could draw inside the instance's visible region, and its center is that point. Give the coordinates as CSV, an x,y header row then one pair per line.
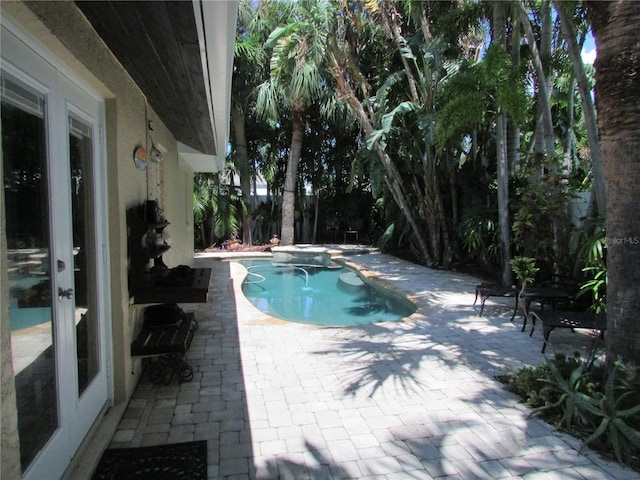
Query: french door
x,y
56,256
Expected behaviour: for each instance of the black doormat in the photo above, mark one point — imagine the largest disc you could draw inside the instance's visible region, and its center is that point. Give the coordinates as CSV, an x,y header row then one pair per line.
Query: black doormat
x,y
178,461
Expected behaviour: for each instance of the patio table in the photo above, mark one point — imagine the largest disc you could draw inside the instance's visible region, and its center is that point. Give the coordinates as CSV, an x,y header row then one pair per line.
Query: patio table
x,y
572,320
542,295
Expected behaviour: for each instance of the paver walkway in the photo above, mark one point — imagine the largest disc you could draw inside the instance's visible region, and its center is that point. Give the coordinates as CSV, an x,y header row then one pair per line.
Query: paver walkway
x,y
414,399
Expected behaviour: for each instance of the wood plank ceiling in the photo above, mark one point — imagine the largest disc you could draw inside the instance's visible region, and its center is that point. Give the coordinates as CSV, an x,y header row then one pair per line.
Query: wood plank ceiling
x,y
157,43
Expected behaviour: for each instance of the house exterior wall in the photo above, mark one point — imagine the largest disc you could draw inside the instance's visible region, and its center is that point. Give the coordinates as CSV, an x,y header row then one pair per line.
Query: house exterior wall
x,y
62,30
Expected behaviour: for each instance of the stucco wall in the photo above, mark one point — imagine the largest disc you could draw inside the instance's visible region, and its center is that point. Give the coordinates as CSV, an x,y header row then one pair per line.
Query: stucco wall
x,y
62,28
167,183
179,211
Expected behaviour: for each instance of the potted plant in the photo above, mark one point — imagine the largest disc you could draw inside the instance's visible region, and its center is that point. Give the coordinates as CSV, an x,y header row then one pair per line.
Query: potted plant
x,y
525,269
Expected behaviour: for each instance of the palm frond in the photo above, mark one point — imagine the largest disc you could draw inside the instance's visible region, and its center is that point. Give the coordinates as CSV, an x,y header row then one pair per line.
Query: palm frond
x,y
267,102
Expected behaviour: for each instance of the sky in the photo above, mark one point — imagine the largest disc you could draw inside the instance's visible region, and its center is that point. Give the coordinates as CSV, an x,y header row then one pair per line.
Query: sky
x,y
589,50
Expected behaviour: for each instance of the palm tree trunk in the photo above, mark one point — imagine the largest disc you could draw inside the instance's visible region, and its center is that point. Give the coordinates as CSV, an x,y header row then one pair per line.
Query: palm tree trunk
x,y
513,145
546,40
394,181
568,141
446,245
390,17
289,194
543,96
618,105
336,60
513,130
244,171
502,161
315,218
432,208
588,108
428,208
503,200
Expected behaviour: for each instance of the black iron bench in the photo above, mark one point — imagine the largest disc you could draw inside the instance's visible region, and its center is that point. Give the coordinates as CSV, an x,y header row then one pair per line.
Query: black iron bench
x,y
167,344
552,320
486,290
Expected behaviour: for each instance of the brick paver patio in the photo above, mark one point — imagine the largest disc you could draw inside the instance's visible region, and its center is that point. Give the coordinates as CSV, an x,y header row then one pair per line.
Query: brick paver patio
x,y
415,399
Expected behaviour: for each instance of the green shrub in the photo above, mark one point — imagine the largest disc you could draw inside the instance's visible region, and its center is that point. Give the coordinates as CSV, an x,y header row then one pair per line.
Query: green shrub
x,y
528,384
602,408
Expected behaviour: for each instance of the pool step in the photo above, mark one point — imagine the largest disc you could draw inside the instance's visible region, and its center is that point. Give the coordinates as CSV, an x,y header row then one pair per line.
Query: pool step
x,y
351,279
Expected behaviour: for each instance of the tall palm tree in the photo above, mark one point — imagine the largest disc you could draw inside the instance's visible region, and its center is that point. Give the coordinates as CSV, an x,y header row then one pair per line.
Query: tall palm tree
x,y
353,35
502,160
296,80
539,57
479,96
618,106
588,107
248,73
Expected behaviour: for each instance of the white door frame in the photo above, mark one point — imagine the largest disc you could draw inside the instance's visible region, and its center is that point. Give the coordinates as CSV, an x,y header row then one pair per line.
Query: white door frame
x,y
29,62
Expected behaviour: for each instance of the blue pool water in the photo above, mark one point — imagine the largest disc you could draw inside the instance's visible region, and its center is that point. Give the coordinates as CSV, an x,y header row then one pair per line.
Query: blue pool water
x,y
25,316
21,318
319,295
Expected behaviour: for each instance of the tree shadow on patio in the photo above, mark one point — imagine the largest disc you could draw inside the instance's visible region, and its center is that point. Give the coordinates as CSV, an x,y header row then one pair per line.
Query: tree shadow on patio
x,y
314,463
376,357
443,341
415,355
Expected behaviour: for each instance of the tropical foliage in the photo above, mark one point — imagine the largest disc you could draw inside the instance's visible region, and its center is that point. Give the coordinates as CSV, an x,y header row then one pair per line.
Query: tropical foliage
x,y
456,132
216,207
429,110
598,406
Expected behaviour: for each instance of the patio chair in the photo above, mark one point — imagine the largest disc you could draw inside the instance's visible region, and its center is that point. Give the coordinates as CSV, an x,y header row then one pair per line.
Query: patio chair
x,y
354,225
332,227
486,290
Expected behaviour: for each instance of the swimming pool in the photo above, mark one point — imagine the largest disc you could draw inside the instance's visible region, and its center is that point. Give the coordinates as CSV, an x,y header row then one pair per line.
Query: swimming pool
x,y
30,303
331,296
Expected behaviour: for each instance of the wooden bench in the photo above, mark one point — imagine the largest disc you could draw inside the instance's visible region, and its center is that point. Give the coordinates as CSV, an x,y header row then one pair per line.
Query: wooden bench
x,y
169,345
552,320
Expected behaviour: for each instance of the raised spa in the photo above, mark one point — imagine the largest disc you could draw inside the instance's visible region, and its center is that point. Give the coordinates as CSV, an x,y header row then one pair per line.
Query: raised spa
x,y
332,295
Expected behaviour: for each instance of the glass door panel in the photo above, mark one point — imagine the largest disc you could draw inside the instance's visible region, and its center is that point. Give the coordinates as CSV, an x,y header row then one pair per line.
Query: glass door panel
x,y
55,199
31,312
84,255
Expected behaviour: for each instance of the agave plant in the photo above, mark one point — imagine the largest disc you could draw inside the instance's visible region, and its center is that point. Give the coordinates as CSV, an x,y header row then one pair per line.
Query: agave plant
x,y
614,422
568,391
